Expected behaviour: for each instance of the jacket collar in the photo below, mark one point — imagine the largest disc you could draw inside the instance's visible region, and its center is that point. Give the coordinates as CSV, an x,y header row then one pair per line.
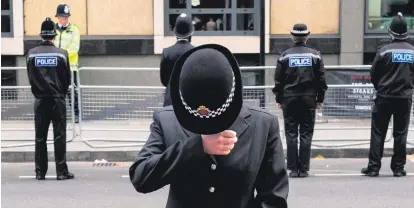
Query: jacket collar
x,y
47,43
300,44
69,27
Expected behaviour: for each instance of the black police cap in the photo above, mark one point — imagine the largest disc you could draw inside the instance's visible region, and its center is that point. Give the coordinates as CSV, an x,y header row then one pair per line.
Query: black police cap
x,y
48,28
300,30
62,11
398,27
183,26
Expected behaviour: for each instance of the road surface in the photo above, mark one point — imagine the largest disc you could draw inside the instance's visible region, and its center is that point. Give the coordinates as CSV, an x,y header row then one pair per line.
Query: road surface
x,y
333,183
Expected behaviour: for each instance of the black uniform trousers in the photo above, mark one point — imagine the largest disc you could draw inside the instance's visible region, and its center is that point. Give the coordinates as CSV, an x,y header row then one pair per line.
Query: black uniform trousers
x,y
381,115
299,117
75,85
47,110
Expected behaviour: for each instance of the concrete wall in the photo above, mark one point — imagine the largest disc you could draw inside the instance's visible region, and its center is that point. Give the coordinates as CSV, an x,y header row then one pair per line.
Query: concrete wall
x,y
352,32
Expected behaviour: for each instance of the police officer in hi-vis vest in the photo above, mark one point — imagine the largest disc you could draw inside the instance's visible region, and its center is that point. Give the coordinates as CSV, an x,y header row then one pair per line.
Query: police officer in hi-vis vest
x,y
299,88
49,76
392,77
68,38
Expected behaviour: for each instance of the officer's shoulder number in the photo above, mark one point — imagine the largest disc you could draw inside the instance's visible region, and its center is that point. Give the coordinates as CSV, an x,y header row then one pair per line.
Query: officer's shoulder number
x,y
403,56
46,61
300,61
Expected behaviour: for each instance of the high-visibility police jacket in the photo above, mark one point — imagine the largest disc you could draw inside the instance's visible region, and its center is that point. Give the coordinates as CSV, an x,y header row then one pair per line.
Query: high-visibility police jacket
x,y
69,40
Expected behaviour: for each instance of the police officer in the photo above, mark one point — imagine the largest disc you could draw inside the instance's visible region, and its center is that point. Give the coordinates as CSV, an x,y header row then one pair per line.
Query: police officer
x,y
49,76
392,77
68,38
299,89
183,30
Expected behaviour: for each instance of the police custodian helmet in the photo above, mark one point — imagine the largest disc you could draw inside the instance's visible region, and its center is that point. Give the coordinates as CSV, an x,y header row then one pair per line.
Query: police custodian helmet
x,y
62,11
48,28
184,27
300,30
398,28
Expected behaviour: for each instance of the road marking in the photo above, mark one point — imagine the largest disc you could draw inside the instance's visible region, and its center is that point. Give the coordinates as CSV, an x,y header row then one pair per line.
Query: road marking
x,y
35,176
319,157
125,176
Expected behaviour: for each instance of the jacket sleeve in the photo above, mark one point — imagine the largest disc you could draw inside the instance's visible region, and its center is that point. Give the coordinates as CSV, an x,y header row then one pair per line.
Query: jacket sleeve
x,y
158,165
279,81
272,183
374,72
68,72
73,49
29,70
321,81
164,73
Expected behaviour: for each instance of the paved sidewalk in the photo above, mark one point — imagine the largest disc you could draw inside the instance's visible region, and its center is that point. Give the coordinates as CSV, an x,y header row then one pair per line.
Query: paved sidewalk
x,y
121,141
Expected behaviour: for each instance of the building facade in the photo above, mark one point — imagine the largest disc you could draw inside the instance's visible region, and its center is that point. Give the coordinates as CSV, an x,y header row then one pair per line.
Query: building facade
x,y
132,33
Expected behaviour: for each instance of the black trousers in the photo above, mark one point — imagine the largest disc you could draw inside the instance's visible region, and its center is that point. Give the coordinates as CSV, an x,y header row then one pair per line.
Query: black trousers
x,y
381,115
299,117
46,111
75,84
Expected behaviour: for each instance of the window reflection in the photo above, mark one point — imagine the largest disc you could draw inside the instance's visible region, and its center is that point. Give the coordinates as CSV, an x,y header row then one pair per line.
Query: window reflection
x,y
381,12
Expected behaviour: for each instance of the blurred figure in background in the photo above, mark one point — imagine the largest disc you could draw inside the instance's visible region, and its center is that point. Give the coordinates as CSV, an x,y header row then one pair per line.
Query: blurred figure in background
x,y
183,30
300,88
68,38
49,76
392,77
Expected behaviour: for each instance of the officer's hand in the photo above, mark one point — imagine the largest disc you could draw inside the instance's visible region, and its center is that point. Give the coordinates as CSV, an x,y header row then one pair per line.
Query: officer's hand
x,y
320,105
278,105
219,144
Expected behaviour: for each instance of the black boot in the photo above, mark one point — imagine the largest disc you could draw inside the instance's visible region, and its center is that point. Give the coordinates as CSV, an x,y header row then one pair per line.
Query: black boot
x,y
303,174
66,176
40,177
294,174
370,173
400,173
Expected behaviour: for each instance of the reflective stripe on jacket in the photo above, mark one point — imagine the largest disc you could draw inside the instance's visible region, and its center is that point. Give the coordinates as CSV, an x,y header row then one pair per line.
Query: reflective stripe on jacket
x,y
69,40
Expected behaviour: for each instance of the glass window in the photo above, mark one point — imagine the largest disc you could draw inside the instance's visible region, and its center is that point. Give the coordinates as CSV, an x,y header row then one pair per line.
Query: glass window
x,y
5,24
5,5
380,13
215,17
6,18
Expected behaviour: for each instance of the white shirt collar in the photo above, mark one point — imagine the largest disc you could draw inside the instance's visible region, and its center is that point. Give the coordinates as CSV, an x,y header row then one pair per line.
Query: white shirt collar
x,y
62,25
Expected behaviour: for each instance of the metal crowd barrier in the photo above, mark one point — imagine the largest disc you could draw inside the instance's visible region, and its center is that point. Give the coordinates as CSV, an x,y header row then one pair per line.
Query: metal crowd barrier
x,y
110,110
122,114
17,110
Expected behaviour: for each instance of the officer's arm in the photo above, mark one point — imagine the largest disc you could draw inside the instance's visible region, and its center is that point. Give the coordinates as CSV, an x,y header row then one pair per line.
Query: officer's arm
x,y
375,68
29,70
68,72
157,165
279,81
164,74
73,49
321,81
272,183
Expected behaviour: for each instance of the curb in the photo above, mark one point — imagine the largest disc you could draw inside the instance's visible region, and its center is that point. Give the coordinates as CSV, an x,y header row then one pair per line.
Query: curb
x,y
130,156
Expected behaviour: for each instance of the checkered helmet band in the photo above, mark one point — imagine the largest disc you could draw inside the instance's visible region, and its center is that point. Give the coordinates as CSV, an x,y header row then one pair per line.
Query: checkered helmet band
x,y
212,113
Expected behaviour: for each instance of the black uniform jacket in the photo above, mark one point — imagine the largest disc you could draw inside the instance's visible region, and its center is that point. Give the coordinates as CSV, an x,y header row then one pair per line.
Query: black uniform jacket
x,y
300,72
168,58
392,70
176,156
48,70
